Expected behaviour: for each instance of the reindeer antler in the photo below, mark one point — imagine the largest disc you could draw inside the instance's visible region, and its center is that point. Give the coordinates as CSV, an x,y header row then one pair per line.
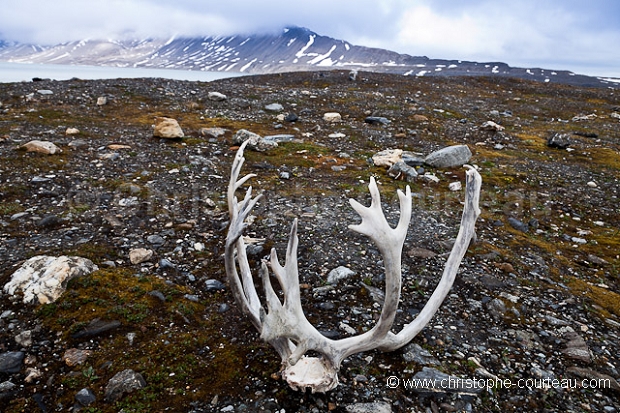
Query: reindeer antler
x,y
284,324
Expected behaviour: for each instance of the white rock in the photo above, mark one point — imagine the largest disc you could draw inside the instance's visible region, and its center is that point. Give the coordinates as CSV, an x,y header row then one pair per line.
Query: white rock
x,y
332,117
45,147
388,157
167,128
274,107
72,131
347,329
455,186
337,135
43,279
217,96
102,101
592,184
491,126
338,274
140,255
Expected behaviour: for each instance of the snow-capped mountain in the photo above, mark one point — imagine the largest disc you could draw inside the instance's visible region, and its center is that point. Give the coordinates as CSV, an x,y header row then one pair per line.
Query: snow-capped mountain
x,y
293,49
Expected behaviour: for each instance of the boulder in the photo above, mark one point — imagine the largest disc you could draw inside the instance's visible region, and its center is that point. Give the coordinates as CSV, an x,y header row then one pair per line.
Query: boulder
x,y
43,279
449,157
44,147
167,128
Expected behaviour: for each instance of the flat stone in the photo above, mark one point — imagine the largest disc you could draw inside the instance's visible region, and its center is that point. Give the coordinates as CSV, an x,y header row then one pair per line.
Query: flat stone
x,y
450,157
414,353
96,327
44,147
377,120
374,407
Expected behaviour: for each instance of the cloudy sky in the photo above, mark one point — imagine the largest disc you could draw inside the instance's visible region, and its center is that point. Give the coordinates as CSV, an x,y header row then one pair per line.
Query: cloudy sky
x,y
582,36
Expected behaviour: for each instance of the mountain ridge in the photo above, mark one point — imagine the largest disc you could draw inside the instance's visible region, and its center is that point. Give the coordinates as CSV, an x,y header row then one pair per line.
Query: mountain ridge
x,y
293,49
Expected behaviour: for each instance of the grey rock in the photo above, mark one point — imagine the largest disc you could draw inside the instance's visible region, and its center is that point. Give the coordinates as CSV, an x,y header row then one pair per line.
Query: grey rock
x,y
96,327
85,397
576,347
274,107
518,225
496,308
377,120
449,157
49,221
413,353
157,294
123,382
279,138
256,142
6,386
24,338
214,285
444,383
375,407
156,240
401,169
412,159
291,117
166,264
11,361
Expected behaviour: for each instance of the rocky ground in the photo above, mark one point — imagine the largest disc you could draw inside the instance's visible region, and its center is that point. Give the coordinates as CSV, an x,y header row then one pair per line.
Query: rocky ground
x,y
536,302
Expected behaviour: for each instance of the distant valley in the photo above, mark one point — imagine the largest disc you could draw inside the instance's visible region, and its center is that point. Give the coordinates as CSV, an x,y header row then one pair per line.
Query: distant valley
x,y
293,49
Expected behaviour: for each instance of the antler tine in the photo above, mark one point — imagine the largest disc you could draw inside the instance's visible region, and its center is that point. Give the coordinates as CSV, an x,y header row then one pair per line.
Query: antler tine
x,y
390,242
467,232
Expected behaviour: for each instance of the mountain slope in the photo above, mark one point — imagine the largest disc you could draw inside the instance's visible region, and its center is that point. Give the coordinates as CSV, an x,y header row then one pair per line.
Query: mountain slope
x,y
294,49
